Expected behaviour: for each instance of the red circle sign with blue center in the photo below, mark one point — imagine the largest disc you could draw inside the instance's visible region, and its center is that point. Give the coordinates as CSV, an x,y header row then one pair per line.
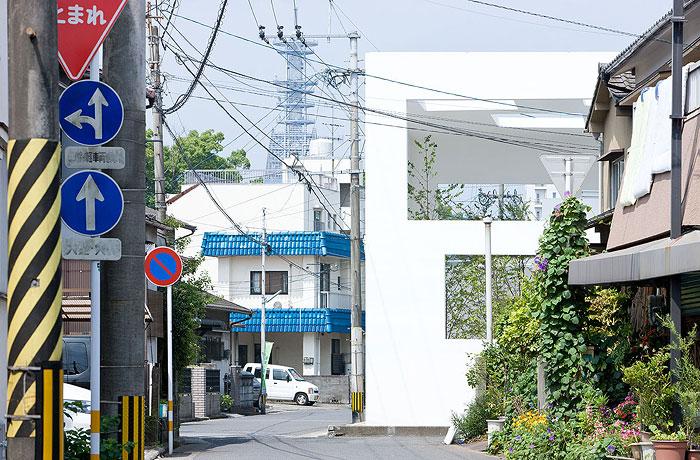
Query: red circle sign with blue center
x,y
163,266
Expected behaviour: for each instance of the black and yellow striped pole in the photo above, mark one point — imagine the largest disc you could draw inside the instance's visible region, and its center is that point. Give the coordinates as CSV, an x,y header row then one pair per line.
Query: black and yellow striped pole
x,y
49,429
34,245
132,429
34,280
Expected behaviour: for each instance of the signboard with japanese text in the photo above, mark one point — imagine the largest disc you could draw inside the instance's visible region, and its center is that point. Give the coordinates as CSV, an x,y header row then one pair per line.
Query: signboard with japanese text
x,y
82,27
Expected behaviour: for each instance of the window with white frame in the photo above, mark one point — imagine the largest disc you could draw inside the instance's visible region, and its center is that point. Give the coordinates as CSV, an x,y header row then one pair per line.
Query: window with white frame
x,y
274,281
692,94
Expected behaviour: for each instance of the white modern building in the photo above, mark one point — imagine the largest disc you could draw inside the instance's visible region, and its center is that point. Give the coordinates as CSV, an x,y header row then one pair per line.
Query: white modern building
x,y
494,118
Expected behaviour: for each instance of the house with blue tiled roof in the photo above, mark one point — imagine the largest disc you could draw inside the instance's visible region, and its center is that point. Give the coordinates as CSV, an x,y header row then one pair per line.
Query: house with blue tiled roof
x,y
307,285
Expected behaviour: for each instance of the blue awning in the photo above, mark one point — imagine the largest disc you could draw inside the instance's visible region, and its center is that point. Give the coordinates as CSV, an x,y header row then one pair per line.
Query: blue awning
x,y
326,320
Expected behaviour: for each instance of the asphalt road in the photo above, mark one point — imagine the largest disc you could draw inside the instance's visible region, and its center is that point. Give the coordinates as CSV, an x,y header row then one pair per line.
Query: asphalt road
x,y
291,432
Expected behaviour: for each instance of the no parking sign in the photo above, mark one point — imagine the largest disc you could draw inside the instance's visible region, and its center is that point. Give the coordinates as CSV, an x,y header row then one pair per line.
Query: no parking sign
x,y
163,266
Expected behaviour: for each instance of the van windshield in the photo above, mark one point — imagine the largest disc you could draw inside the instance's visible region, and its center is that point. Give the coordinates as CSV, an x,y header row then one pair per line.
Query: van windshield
x,y
295,374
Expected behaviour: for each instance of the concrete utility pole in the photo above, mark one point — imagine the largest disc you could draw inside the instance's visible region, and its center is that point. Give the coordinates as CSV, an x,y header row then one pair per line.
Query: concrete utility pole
x,y
263,361
123,288
156,119
677,19
357,379
489,278
34,265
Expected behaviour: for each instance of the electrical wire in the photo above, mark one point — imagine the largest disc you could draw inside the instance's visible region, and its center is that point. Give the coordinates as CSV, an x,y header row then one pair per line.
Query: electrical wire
x,y
180,101
554,18
313,186
221,209
356,27
365,74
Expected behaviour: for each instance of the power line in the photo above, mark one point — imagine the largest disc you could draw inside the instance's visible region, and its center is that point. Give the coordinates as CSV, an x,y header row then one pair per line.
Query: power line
x,y
313,186
356,27
365,74
220,208
404,118
554,18
180,101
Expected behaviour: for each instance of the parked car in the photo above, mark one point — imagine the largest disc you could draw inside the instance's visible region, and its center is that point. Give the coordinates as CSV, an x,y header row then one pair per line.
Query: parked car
x,y
76,360
284,383
79,417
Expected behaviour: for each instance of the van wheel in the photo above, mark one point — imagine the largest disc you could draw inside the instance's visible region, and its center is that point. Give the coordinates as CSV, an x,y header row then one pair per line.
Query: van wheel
x,y
301,399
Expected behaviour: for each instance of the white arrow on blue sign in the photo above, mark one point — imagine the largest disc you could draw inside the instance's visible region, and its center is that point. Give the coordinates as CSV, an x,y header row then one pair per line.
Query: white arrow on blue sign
x,y
90,112
91,202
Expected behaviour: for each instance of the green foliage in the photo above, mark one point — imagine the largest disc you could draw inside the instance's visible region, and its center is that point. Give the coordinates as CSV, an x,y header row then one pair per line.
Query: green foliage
x,y
190,297
687,375
151,429
465,288
609,332
203,152
651,382
76,444
431,202
561,314
472,424
226,403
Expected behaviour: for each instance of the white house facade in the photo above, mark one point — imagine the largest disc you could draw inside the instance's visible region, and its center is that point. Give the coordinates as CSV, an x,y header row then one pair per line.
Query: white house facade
x,y
493,116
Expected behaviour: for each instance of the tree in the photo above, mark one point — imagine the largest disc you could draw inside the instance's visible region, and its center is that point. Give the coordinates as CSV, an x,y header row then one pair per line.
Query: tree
x,y
201,151
431,202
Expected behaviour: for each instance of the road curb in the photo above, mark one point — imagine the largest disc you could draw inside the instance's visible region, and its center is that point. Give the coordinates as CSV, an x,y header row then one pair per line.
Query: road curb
x,y
358,430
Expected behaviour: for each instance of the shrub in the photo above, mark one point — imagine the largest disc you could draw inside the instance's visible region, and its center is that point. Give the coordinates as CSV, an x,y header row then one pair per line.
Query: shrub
x,y
226,403
472,423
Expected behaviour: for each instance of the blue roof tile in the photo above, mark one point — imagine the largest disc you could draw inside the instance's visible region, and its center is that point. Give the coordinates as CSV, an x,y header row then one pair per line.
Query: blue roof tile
x,y
325,320
217,244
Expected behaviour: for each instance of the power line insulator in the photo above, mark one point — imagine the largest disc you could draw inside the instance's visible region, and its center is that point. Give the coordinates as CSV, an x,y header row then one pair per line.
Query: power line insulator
x,y
280,32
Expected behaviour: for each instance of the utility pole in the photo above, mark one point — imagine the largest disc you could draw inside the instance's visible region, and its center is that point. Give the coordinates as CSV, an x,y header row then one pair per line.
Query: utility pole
x,y
489,278
156,118
357,379
123,287
263,361
677,19
34,232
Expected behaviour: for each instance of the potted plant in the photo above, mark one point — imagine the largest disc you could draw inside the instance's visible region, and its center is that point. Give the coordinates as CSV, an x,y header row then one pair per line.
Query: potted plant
x,y
650,381
669,446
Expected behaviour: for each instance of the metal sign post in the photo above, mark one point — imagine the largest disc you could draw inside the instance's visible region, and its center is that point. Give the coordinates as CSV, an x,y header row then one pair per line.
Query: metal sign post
x,y
163,268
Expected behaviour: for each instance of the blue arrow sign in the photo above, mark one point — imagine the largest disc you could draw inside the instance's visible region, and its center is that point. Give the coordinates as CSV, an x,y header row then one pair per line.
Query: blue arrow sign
x,y
91,203
90,112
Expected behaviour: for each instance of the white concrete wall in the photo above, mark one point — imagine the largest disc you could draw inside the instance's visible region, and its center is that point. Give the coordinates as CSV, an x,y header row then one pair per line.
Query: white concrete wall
x,y
233,282
422,382
289,207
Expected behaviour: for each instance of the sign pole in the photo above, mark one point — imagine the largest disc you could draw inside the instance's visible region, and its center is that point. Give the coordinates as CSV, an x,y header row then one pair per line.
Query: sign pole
x,y
169,313
95,328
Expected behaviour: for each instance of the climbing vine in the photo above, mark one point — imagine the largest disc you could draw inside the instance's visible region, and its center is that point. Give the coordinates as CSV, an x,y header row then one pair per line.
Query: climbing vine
x,y
562,311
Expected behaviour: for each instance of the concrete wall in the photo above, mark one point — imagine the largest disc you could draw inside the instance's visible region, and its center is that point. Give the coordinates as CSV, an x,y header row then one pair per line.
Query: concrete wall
x,y
333,389
185,407
233,281
406,349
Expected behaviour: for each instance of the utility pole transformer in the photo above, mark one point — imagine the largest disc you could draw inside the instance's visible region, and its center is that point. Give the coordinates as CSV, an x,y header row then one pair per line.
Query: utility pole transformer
x,y
34,233
157,120
357,379
123,287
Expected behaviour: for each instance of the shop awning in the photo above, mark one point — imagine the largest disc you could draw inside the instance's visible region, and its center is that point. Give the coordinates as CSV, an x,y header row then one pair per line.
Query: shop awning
x,y
655,259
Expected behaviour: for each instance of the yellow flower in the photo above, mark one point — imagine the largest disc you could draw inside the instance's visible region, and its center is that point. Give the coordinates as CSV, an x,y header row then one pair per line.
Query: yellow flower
x,y
530,419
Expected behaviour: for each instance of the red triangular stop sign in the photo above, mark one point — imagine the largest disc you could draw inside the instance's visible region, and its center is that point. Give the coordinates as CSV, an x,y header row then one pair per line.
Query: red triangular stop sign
x,y
82,27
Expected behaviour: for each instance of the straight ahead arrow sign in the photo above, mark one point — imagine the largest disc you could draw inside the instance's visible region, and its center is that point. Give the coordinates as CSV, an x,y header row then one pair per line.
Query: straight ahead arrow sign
x,y
77,118
90,192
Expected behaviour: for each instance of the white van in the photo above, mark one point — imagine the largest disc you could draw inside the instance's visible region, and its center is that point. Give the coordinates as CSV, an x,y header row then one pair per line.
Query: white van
x,y
285,383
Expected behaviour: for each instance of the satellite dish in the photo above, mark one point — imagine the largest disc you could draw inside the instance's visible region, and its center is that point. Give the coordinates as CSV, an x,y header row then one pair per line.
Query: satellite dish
x,y
277,304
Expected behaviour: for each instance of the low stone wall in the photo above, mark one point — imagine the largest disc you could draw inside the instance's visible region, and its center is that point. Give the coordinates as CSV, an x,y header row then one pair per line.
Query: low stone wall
x,y
213,405
334,389
185,407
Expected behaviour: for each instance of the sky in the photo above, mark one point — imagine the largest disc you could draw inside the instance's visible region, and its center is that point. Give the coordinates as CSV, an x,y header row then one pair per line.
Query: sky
x,y
384,26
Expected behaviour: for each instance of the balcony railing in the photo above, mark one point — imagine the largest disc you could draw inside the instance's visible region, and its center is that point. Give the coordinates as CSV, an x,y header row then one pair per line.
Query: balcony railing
x,y
253,176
